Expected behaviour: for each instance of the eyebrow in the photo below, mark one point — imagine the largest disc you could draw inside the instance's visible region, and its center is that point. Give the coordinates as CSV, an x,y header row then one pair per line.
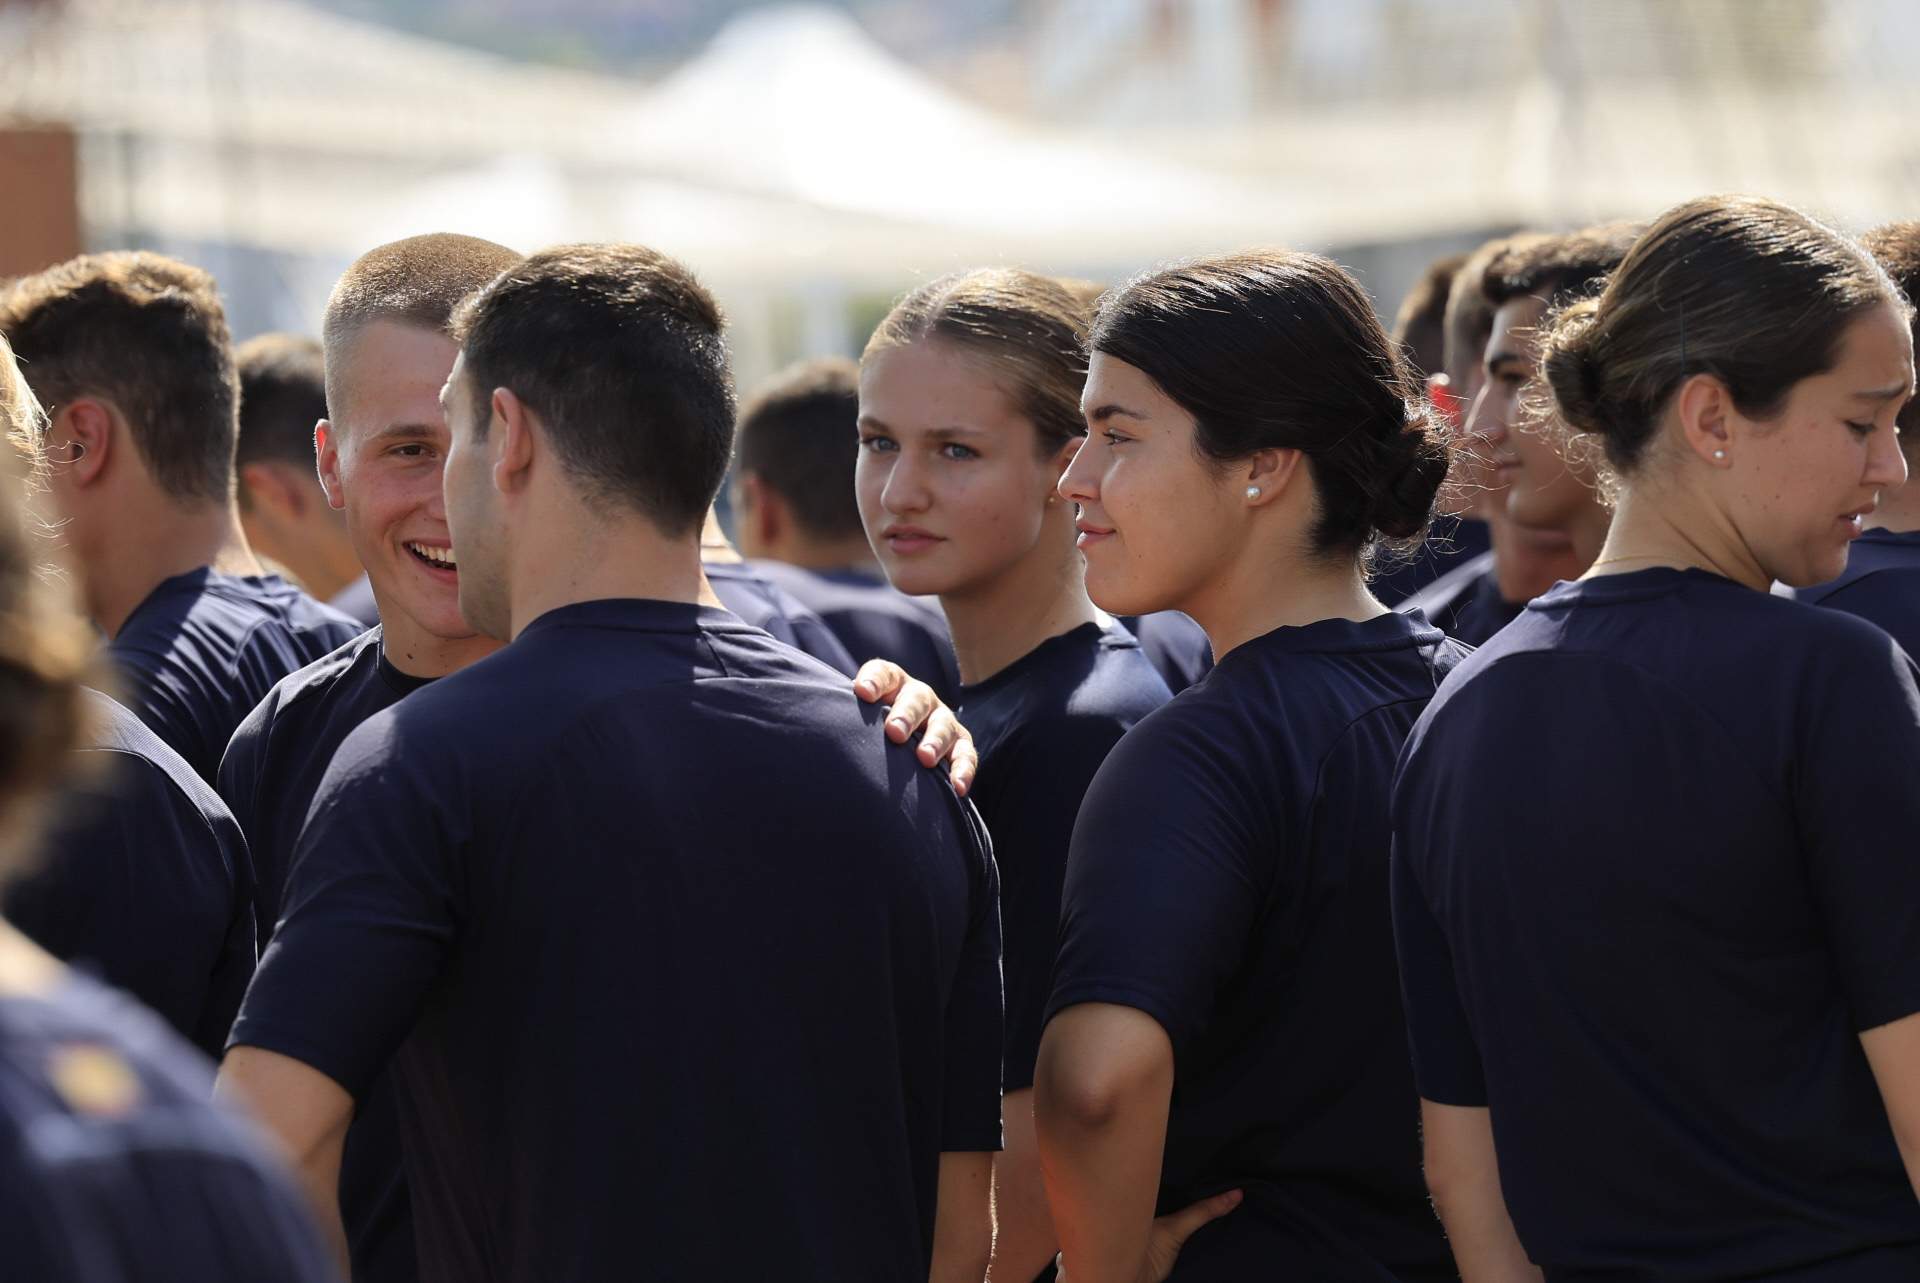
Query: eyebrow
x,y
1885,394
1101,414
951,430
393,430
1499,359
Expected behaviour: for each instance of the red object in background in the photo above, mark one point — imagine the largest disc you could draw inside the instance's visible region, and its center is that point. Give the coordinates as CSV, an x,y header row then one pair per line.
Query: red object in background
x,y
1440,392
40,217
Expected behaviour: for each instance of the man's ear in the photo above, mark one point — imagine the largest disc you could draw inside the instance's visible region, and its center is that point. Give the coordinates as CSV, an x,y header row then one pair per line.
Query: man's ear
x,y
82,441
326,461
511,441
762,512
270,489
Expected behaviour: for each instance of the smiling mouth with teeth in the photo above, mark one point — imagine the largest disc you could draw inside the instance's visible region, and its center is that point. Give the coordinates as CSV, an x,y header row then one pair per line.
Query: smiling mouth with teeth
x,y
439,558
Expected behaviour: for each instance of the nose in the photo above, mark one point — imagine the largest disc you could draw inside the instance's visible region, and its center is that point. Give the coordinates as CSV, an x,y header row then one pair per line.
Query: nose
x,y
1886,462
1080,483
1484,422
906,489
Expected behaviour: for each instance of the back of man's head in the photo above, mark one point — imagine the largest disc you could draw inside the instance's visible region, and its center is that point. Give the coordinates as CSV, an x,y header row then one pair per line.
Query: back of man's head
x,y
797,435
283,393
146,333
1557,268
1420,325
618,350
1897,247
417,281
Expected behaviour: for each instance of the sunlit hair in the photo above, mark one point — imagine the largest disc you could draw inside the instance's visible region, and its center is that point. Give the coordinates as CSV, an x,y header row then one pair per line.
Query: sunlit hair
x,y
46,650
1896,247
1028,331
1753,292
1419,327
797,436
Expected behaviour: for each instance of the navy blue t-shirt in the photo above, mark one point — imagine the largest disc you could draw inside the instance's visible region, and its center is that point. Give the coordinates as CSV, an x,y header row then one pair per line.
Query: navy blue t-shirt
x,y
204,648
773,610
1229,879
1881,585
624,1001
1465,603
1451,542
271,771
145,880
1655,871
1177,647
875,620
114,1166
1043,725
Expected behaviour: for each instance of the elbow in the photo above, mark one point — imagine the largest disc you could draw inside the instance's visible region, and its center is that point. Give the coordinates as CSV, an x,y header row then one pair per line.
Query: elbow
x,y
1079,1088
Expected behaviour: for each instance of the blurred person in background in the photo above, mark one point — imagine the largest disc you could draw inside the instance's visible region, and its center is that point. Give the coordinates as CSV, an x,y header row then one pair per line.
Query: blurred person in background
x,y
1419,330
113,1165
969,411
129,354
799,522
1882,580
1224,1047
701,989
283,507
1663,992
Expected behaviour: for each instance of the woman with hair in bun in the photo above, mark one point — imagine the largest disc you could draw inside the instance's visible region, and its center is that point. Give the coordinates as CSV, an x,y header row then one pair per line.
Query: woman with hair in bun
x,y
1662,985
969,411
1224,1049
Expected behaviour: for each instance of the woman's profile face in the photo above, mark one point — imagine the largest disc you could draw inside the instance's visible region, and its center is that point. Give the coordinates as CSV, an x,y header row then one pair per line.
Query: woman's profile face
x,y
1800,486
1158,525
952,486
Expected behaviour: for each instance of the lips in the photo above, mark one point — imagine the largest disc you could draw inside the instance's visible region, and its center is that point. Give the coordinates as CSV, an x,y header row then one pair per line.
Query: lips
x,y
437,558
1090,533
908,540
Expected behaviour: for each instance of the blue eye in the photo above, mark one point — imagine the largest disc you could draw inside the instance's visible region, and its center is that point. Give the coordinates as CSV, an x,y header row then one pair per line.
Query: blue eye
x,y
954,450
1116,438
877,444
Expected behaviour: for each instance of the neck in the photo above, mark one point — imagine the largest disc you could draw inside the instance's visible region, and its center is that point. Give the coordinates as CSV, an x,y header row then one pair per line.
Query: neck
x,y
714,544
1654,528
152,546
1247,603
1528,562
1040,597
25,971
811,553
581,556
324,562
418,653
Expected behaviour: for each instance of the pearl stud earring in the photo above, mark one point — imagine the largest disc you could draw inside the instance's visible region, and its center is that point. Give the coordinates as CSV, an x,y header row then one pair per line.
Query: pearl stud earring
x,y
1719,454
1253,492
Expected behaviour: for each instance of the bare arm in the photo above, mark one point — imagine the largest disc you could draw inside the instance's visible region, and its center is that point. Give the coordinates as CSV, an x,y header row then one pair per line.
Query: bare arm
x,y
1023,1237
307,1113
1894,1052
1465,1181
916,705
963,1225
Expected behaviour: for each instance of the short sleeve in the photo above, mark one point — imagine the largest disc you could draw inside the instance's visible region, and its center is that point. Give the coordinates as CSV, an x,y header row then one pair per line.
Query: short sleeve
x,y
971,1115
1858,802
1446,1059
1166,878
372,904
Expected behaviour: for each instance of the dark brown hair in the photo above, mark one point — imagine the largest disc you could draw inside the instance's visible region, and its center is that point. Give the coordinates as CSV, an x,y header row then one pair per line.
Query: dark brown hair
x,y
1753,292
1896,247
1420,325
147,333
417,281
1029,330
798,436
618,349
283,393
1557,267
1282,350
1469,318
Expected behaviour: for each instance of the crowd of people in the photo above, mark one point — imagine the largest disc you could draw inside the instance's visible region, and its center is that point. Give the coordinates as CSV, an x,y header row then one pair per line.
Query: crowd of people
x,y
1177,780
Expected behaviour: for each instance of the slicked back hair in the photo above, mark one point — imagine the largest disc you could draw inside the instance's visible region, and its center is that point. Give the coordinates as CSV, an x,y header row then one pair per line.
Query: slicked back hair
x,y
798,435
1896,247
1558,267
283,393
147,333
1420,327
619,351
417,281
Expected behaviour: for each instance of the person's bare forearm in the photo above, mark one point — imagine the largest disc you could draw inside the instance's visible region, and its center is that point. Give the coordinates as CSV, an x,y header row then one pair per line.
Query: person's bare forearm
x,y
1463,1173
307,1116
1023,1240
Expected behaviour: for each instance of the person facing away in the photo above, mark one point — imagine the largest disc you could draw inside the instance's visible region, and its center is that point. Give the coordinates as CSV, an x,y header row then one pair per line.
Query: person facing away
x,y
1881,583
114,1167
129,354
730,990
283,507
1224,1031
1662,987
969,410
140,873
799,524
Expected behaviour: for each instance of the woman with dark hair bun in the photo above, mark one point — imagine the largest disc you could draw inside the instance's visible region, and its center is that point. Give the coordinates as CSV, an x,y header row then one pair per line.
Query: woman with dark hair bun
x,y
1663,992
1224,1030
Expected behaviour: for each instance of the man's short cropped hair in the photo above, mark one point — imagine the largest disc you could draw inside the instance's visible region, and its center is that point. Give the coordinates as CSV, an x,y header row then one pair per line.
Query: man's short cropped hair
x,y
417,281
1897,249
618,349
798,436
283,393
1420,327
1558,267
147,333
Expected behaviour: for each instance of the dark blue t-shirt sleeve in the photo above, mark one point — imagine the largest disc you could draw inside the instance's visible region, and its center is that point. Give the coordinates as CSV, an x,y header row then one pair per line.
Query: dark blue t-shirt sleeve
x,y
1858,801
1166,878
1446,1059
371,906
167,709
971,1114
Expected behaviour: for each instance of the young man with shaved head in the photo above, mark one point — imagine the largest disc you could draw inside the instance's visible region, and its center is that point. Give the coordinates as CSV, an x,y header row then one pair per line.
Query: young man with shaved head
x,y
618,1001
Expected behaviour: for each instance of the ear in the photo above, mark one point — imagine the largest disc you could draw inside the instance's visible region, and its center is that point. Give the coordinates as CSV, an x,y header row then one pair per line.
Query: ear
x,y
1270,472
1706,412
511,441
761,510
326,461
269,487
82,440
1062,460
